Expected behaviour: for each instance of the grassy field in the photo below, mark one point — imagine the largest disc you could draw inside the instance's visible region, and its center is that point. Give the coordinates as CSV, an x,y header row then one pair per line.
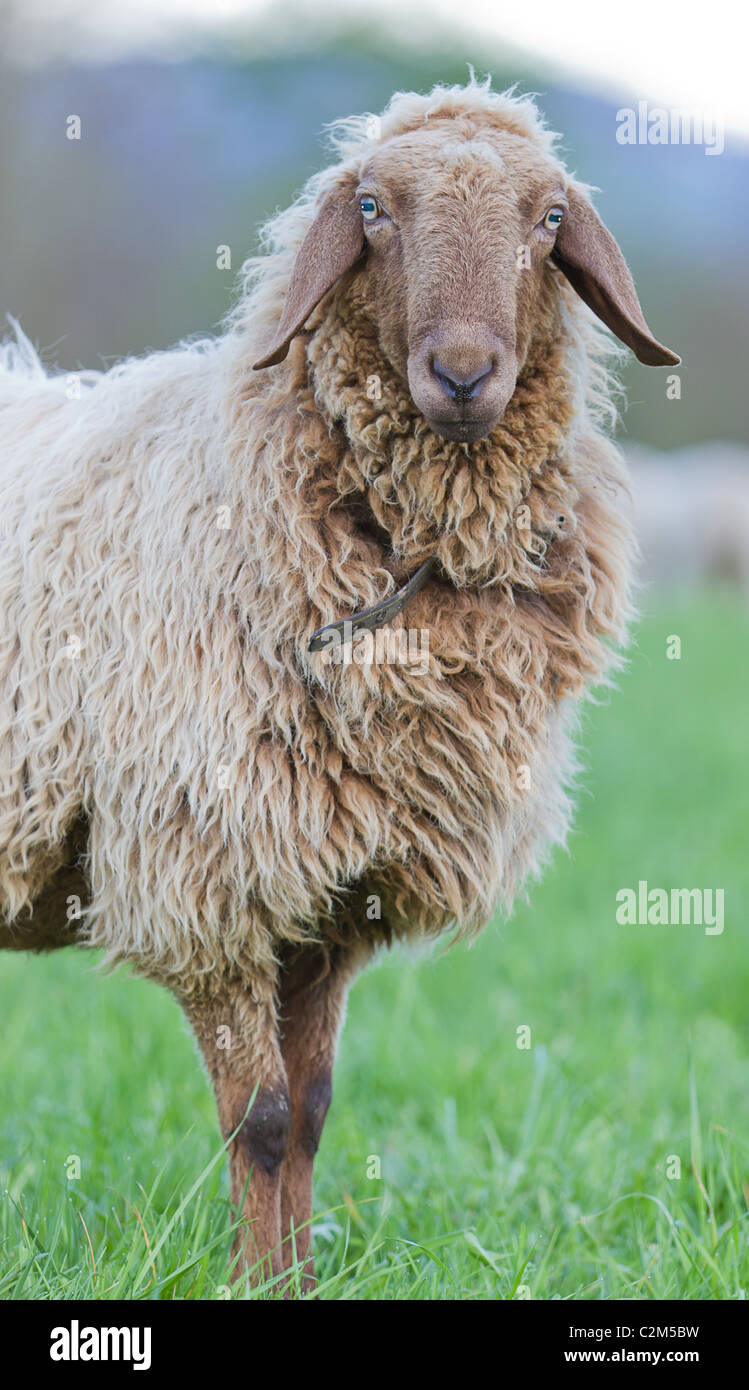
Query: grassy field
x,y
539,1173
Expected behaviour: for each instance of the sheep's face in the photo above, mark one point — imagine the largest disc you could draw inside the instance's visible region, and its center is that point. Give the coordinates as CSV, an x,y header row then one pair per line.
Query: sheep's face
x,y
453,230
459,232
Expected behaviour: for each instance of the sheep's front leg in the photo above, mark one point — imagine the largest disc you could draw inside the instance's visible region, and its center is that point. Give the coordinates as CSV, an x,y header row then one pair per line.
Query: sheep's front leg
x,y
312,998
238,1037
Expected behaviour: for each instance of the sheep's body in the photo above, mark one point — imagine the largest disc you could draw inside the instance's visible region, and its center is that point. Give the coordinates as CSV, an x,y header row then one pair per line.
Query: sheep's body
x,y
241,818
174,534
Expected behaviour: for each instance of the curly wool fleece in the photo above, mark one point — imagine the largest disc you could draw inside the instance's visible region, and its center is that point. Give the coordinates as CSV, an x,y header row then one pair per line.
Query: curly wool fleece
x,y
445,786
237,791
430,496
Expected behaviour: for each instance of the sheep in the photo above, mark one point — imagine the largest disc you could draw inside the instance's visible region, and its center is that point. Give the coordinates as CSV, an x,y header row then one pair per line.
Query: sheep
x,y
404,422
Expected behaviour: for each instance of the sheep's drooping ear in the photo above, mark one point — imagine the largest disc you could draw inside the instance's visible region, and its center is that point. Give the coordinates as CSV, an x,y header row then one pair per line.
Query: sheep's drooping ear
x,y
333,244
589,257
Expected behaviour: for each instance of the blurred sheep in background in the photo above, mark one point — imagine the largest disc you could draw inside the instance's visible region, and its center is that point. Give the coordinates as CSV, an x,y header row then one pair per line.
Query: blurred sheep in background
x,y
692,514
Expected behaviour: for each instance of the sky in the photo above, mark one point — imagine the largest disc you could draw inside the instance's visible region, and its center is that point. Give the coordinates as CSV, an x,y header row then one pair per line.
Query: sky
x,y
677,55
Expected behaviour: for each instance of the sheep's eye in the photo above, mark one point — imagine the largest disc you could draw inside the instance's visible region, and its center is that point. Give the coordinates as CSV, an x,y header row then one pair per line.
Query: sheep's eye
x,y
370,209
552,219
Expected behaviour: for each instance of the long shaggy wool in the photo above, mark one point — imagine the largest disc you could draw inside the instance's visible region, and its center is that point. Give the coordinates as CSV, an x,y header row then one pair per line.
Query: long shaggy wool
x,y
175,533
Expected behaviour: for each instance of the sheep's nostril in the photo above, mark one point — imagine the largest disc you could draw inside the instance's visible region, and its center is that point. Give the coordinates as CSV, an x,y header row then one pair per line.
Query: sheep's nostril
x,y
460,388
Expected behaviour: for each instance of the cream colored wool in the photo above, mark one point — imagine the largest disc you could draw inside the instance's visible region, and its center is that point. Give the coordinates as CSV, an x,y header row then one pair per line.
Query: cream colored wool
x,y
175,535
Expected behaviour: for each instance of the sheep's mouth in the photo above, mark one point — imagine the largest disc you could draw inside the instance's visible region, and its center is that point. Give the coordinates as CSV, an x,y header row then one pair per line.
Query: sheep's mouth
x,y
462,431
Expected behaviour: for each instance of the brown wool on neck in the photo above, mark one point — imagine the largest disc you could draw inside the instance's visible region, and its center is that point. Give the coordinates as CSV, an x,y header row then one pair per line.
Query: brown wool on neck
x,y
431,496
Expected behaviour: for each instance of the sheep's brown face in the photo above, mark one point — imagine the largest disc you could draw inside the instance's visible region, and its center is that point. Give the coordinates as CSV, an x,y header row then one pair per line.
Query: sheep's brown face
x,y
452,230
458,232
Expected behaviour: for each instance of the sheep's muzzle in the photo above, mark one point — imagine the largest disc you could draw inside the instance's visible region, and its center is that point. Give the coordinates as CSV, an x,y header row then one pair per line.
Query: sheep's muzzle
x,y
462,378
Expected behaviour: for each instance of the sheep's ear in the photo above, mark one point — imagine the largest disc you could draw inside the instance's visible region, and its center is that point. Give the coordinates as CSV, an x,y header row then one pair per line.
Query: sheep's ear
x,y
589,257
333,244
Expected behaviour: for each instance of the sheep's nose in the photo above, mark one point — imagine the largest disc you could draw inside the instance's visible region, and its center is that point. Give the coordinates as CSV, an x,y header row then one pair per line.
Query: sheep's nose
x,y
460,388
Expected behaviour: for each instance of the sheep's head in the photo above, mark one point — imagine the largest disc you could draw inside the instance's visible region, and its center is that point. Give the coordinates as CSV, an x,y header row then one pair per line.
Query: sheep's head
x,y
456,227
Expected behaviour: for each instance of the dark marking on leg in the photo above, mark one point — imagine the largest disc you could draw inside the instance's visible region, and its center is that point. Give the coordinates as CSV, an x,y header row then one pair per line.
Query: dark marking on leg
x,y
264,1135
315,1105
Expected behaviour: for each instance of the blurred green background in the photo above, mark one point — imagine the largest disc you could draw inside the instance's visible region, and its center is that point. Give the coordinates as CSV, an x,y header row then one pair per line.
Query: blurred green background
x,y
503,1172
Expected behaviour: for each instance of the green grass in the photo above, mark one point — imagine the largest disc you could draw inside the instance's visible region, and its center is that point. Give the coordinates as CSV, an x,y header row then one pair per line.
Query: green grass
x,y
503,1171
